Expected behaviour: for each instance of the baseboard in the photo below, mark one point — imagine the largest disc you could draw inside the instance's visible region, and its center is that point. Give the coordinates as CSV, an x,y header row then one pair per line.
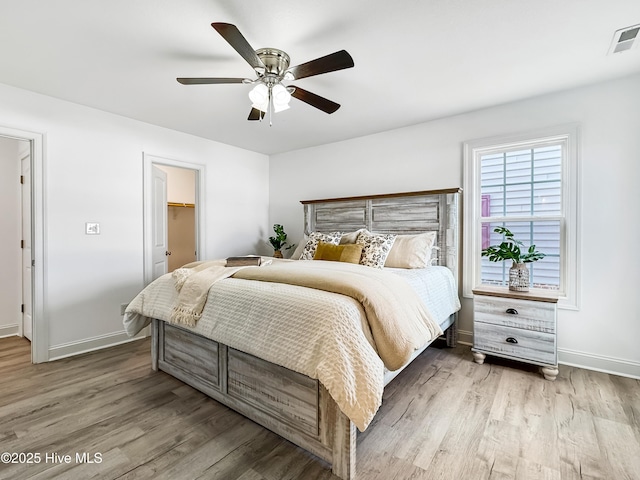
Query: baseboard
x,y
588,361
64,350
599,363
9,330
465,337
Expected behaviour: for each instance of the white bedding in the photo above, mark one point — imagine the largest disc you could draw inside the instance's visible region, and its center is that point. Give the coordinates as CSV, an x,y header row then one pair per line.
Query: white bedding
x,y
320,334
435,286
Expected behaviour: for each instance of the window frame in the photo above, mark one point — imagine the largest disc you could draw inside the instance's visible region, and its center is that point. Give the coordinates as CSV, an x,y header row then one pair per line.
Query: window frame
x,y
568,137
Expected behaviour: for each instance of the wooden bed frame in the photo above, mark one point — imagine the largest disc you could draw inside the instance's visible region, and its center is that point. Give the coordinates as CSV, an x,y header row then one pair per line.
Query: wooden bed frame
x,y
295,406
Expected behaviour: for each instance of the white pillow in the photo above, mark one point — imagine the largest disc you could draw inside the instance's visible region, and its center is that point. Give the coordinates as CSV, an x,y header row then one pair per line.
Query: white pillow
x,y
375,248
351,237
314,237
299,248
411,251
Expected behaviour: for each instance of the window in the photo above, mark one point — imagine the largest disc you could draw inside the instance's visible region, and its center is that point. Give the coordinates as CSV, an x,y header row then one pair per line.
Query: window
x,y
529,185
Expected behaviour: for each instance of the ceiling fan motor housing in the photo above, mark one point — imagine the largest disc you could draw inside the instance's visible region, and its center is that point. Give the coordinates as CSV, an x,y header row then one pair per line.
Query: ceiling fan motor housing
x,y
275,61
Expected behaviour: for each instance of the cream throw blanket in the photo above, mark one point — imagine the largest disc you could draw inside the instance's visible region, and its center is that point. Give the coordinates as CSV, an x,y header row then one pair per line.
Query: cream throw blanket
x,y
193,282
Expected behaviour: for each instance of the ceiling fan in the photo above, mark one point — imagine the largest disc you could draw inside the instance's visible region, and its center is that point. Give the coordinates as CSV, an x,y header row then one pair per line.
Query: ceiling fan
x,y
272,68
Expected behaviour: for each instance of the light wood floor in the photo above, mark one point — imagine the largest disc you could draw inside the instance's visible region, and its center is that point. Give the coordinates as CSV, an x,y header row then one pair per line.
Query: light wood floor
x,y
445,417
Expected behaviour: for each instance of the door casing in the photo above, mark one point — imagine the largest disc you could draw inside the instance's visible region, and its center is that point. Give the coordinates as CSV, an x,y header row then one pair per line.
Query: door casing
x,y
148,161
26,322
40,334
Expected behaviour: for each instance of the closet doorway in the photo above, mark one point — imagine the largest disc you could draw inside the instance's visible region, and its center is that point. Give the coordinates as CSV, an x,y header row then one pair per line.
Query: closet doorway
x,y
174,224
181,216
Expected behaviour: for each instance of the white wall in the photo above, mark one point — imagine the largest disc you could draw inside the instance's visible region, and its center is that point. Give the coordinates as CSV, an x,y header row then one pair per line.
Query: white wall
x,y
605,332
93,173
10,228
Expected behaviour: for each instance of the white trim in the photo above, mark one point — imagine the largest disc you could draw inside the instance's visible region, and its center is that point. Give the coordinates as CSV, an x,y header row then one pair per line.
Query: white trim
x,y
571,211
599,363
201,245
23,154
12,330
40,333
86,345
588,361
465,337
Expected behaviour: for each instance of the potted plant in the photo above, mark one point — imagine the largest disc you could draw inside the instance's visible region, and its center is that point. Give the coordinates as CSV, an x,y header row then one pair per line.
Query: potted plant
x,y
279,241
514,250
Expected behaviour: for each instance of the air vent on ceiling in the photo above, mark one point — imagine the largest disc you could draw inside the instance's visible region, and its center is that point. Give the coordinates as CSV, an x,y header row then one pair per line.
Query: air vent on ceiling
x,y
624,39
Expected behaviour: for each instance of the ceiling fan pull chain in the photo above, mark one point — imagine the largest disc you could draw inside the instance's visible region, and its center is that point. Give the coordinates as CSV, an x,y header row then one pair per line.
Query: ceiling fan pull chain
x,y
270,107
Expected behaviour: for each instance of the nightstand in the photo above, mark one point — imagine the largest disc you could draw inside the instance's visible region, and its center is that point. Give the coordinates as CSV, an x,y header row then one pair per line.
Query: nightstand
x,y
516,325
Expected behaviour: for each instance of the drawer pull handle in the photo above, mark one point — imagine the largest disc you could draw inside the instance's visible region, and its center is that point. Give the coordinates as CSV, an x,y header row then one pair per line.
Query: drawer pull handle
x,y
511,340
512,311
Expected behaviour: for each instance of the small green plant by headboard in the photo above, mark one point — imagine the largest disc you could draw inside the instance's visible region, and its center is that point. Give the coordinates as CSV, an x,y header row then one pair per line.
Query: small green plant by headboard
x,y
280,239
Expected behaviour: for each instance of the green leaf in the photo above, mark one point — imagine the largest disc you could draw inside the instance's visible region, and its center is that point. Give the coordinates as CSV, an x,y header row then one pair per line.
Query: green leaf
x,y
510,249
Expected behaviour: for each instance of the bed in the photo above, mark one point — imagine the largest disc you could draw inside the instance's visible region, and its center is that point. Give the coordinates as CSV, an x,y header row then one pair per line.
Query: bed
x,y
294,401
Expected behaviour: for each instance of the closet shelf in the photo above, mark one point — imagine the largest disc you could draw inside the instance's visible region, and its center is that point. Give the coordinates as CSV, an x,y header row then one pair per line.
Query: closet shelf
x,y
187,205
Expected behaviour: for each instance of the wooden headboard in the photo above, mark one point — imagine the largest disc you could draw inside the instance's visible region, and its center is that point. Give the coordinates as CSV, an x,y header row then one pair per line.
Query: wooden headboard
x,y
399,213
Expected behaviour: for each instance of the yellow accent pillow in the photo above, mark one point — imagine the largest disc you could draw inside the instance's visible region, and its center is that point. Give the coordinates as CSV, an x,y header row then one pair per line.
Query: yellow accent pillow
x,y
349,252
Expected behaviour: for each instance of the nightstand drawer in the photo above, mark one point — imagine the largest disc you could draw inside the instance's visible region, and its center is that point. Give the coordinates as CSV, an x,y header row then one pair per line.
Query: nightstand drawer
x,y
511,312
515,343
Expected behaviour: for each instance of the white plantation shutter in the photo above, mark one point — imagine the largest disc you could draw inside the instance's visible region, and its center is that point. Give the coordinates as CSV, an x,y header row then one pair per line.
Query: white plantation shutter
x,y
529,187
524,182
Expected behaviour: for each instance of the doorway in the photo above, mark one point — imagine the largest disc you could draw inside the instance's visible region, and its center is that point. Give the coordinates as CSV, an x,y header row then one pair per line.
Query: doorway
x,y
15,242
173,204
21,160
181,216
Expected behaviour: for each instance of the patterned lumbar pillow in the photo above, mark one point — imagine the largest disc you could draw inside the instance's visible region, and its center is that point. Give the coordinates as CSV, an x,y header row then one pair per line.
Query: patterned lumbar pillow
x,y
312,243
375,248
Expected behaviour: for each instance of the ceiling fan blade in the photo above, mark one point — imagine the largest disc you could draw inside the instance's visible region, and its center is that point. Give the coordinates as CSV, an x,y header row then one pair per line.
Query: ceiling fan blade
x,y
207,81
255,114
330,63
233,36
315,100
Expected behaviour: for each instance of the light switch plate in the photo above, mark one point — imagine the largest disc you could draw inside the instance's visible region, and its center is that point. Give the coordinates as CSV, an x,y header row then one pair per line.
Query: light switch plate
x,y
92,228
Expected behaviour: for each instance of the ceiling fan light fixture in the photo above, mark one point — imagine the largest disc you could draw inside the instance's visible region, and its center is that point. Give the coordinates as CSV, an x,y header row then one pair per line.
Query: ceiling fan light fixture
x,y
281,97
259,94
262,95
263,107
279,108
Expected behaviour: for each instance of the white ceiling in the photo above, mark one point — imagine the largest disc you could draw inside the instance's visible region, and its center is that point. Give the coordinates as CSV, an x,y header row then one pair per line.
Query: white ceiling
x,y
415,60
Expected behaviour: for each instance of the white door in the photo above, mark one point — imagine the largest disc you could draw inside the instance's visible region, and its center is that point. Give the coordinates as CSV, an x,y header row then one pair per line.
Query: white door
x,y
159,222
25,168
